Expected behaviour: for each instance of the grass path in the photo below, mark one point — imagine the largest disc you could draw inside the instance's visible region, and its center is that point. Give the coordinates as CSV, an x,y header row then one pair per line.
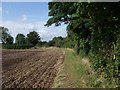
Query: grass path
x,y
76,72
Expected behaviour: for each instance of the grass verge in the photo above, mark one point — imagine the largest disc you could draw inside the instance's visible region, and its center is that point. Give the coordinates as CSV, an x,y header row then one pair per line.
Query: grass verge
x,y
75,72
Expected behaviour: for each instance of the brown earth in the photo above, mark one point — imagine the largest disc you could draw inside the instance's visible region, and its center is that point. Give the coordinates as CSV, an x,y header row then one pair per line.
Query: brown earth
x,y
29,68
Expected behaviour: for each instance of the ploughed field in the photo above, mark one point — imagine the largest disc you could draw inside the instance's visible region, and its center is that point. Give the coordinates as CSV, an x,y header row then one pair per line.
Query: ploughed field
x,y
30,68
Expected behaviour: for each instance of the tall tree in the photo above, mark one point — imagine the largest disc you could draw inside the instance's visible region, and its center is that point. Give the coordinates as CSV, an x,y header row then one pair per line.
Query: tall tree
x,y
20,39
33,38
9,39
6,37
93,27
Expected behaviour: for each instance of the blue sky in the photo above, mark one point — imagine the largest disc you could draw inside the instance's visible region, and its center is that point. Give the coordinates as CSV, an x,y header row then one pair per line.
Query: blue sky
x,y
23,17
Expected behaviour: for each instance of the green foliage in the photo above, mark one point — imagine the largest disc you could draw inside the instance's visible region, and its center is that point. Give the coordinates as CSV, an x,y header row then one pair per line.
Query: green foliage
x,y
59,42
33,38
9,39
51,43
17,46
93,28
21,42
42,43
6,37
20,39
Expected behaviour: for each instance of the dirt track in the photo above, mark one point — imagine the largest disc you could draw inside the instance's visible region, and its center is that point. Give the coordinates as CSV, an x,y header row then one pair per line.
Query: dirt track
x,y
30,69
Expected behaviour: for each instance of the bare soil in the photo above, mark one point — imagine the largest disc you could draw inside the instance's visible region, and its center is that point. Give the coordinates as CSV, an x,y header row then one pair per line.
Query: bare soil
x,y
29,69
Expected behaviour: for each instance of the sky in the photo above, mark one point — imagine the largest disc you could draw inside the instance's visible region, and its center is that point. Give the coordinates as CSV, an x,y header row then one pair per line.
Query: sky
x,y
24,17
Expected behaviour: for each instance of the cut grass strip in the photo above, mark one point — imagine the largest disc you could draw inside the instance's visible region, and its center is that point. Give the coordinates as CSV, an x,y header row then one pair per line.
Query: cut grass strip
x,y
75,69
75,72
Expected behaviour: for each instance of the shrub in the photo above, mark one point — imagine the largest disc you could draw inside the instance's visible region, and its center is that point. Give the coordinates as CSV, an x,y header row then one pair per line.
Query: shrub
x,y
16,46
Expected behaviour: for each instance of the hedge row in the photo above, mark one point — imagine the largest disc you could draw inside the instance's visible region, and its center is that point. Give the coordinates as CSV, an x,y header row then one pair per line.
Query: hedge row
x,y
17,46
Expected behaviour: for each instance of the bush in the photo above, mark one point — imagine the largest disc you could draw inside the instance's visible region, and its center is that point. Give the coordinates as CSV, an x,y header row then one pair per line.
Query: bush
x,y
16,46
41,44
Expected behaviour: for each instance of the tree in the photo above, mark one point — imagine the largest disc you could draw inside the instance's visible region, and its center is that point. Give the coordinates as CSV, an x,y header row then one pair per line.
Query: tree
x,y
42,43
20,39
58,41
51,43
93,28
33,38
90,23
9,39
6,37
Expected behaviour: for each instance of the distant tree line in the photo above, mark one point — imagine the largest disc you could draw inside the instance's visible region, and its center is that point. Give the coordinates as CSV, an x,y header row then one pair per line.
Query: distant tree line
x,y
56,42
60,42
32,39
21,42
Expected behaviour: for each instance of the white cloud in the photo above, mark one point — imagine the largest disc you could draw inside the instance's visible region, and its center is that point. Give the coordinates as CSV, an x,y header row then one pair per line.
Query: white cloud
x,y
45,32
24,17
15,28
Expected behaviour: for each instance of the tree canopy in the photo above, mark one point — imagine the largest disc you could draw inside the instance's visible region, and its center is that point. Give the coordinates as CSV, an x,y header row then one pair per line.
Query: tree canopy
x,y
33,38
93,28
6,37
20,39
